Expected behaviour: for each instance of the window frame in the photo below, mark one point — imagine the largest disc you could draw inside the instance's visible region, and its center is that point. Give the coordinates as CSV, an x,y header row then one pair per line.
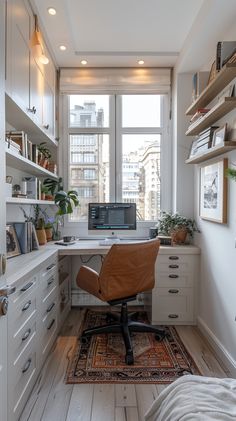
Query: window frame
x,y
115,132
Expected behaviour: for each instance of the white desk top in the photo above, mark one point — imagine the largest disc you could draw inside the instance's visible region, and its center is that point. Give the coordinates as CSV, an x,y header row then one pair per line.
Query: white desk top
x,y
22,265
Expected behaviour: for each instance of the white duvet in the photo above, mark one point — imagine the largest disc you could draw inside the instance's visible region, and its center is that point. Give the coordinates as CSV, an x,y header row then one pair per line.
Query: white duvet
x,y
195,398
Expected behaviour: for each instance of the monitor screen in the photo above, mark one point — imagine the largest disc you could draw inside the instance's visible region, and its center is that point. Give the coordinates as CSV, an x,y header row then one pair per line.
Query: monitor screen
x,y
112,216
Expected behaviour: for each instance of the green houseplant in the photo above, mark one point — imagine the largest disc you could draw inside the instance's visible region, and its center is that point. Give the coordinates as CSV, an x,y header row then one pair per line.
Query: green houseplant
x,y
52,186
66,202
231,173
44,154
176,226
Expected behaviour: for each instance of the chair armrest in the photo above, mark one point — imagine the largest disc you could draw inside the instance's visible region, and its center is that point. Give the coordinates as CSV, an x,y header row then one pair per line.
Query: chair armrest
x,y
88,280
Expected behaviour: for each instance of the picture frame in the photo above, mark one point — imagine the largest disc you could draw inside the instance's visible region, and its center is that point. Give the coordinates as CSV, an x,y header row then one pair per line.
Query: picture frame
x,y
212,73
193,149
12,244
219,136
213,191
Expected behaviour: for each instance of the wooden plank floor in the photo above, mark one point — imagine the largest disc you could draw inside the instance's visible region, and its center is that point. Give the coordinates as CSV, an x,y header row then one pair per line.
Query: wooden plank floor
x,y
53,400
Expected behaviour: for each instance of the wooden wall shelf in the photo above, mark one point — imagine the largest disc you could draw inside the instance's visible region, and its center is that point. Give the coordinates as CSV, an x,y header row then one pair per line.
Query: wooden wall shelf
x,y
223,107
222,79
212,152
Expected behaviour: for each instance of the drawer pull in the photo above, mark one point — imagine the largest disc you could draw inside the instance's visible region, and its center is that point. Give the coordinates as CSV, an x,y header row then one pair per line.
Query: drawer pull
x,y
173,291
51,280
51,324
27,366
26,335
173,275
27,286
51,266
173,316
26,306
174,257
173,266
50,307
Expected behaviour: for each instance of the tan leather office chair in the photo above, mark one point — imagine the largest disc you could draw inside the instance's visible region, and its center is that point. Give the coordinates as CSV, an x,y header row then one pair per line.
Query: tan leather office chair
x,y
127,270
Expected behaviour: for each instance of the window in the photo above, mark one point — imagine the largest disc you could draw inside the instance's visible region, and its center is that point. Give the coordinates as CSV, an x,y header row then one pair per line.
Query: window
x,y
117,147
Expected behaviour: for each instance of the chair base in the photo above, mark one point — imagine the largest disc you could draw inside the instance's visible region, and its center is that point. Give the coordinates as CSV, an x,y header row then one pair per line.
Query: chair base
x,y
124,323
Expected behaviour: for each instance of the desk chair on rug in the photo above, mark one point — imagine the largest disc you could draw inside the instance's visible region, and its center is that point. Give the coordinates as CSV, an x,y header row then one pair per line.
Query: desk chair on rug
x,y
127,270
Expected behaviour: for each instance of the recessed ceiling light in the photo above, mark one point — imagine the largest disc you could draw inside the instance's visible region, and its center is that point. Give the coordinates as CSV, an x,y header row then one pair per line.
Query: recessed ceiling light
x,y
52,11
84,62
140,62
62,47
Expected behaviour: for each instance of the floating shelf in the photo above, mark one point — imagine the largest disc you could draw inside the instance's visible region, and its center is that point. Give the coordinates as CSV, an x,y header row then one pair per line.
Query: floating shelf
x,y
23,121
223,107
222,79
24,164
21,200
212,152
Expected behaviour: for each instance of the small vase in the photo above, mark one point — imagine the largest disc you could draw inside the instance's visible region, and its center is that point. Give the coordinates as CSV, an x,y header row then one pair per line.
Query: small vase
x,y
179,236
41,235
48,234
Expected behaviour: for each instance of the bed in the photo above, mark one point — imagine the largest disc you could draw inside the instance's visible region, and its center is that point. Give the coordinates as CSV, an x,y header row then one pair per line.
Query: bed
x,y
195,398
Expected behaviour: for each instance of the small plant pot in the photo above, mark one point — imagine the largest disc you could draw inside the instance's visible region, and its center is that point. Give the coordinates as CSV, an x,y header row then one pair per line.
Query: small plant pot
x,y
42,196
49,234
41,235
179,236
49,197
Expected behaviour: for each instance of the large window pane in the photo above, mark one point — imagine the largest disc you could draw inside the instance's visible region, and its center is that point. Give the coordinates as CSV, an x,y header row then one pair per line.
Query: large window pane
x,y
89,111
141,174
141,111
89,170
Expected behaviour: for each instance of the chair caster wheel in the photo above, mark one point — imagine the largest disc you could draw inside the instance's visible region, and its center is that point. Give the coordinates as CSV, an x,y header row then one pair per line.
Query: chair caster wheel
x,y
159,336
129,359
84,340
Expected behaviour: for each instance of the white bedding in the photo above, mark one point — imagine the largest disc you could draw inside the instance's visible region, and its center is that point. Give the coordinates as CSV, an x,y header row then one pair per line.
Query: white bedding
x,y
195,398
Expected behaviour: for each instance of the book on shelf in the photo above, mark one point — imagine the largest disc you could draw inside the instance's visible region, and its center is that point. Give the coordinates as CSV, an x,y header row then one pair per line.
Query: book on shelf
x,y
198,114
27,236
20,138
199,83
35,242
19,195
35,154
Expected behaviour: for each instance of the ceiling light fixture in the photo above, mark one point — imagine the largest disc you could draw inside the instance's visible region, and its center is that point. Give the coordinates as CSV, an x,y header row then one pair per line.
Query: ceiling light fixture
x,y
140,62
84,62
52,11
62,47
37,44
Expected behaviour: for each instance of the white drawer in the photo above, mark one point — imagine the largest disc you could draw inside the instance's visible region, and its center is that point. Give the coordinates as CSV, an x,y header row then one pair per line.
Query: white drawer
x,y
23,288
22,340
183,263
22,313
171,305
48,332
48,283
174,280
48,301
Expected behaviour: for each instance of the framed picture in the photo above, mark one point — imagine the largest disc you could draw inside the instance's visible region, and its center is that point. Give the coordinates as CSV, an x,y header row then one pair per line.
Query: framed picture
x,y
212,73
193,149
13,248
219,136
213,191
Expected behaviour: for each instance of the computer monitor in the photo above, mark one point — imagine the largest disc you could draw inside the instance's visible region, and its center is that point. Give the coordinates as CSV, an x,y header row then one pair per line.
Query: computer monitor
x,y
111,219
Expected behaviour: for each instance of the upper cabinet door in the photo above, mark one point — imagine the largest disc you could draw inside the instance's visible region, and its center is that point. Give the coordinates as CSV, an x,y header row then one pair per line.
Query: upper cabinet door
x,y
19,53
36,92
48,109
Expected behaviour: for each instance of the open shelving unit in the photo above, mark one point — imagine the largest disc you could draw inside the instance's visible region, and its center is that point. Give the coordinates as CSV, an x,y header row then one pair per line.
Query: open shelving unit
x,y
212,152
225,76
23,201
24,164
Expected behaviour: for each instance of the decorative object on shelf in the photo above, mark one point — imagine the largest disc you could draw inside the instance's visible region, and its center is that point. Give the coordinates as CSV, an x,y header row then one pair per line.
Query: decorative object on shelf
x,y
12,244
8,185
176,226
212,73
18,140
49,231
231,173
219,136
213,191
52,186
40,231
199,82
44,154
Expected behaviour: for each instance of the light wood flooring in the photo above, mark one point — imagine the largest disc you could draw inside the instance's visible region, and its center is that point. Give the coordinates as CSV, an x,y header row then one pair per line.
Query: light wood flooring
x,y
53,400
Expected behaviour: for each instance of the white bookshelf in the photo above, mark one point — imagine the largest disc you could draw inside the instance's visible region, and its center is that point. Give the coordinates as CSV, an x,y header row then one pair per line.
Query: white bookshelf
x,y
23,164
23,201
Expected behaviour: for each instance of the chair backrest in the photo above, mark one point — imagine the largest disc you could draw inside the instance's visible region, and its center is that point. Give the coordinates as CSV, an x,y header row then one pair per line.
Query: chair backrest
x,y
128,269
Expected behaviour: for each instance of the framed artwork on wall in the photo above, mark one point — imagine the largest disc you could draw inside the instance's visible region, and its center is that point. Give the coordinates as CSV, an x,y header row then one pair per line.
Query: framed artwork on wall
x,y
213,191
13,248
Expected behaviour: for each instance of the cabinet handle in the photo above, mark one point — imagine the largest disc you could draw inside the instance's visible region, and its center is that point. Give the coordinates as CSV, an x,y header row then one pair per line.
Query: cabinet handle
x,y
173,266
173,316
26,366
26,306
173,291
27,286
46,126
51,266
173,276
51,280
26,335
51,324
174,257
32,110
50,307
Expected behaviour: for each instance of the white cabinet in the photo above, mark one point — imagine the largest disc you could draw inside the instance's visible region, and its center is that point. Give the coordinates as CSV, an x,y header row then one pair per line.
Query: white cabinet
x,y
64,270
173,299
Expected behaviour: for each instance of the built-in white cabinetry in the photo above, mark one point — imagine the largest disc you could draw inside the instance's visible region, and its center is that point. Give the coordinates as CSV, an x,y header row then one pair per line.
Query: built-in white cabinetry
x,y
174,297
32,329
64,273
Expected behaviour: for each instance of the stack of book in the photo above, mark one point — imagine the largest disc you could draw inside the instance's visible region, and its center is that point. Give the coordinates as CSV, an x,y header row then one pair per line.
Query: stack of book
x,y
24,145
204,139
13,146
27,236
199,114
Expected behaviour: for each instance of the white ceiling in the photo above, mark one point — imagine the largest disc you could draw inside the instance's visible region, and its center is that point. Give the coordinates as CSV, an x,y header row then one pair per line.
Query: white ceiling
x,y
117,33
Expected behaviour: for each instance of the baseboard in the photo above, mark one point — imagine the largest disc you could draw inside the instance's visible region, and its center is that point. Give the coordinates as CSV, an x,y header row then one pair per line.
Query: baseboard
x,y
220,350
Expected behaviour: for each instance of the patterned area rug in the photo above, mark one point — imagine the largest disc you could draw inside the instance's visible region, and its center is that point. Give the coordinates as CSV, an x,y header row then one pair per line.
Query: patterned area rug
x,y
101,360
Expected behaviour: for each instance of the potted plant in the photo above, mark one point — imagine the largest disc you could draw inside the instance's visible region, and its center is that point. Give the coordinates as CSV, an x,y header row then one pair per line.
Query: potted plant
x,y
52,186
49,231
44,154
66,202
176,226
231,173
40,231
